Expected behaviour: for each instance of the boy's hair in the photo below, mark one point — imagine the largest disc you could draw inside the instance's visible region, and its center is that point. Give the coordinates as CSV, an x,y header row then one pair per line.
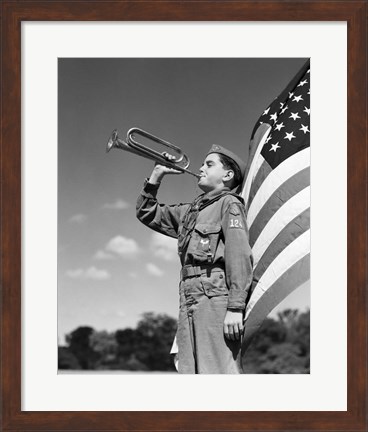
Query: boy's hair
x,y
229,164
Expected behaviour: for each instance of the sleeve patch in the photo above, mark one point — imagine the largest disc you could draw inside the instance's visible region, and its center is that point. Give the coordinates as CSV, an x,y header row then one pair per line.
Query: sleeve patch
x,y
235,223
234,209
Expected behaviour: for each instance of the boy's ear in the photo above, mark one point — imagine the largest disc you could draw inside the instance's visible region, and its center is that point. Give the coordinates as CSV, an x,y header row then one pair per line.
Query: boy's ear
x,y
229,175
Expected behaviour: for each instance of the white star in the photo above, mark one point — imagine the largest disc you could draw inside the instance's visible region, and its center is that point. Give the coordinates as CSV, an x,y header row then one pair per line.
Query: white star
x,y
279,126
294,116
297,98
304,129
291,95
266,111
307,110
274,147
290,136
302,83
273,117
268,138
308,91
281,104
284,109
308,70
260,122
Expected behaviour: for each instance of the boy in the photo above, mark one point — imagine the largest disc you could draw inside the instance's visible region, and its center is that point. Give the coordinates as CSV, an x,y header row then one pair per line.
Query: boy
x,y
216,261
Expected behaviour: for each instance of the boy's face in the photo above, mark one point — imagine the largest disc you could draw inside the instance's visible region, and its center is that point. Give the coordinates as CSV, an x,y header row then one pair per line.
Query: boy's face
x,y
212,174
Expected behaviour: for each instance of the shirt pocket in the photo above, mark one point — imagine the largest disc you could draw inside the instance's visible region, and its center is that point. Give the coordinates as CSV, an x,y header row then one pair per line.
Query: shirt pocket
x,y
204,242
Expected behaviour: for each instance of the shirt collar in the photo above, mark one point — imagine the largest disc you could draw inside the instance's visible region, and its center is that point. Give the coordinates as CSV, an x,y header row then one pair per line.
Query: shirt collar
x,y
212,194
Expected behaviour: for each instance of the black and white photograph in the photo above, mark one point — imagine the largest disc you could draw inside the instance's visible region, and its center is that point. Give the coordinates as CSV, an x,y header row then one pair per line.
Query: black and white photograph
x,y
184,215
165,215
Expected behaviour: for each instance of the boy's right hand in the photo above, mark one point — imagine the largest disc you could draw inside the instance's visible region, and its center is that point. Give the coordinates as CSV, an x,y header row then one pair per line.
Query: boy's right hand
x,y
159,171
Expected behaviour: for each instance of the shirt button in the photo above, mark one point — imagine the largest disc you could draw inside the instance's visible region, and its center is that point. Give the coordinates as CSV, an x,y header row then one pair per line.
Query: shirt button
x,y
205,230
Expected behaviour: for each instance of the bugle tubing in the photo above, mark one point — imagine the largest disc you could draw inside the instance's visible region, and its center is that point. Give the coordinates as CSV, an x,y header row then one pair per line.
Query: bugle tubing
x,y
180,163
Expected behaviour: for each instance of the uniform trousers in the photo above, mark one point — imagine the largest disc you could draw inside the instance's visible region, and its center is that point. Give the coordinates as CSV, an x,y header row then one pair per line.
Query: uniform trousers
x,y
203,348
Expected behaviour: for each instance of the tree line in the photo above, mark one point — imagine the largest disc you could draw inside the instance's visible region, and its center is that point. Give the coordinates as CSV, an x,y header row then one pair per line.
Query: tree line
x,y
282,345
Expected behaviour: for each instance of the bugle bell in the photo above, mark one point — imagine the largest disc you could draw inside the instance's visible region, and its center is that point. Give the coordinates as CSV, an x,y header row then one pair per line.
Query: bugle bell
x,y
180,162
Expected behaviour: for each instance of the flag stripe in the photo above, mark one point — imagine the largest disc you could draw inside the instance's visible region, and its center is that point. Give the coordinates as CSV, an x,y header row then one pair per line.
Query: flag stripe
x,y
291,209
263,172
292,186
289,256
293,229
276,178
258,165
292,279
251,170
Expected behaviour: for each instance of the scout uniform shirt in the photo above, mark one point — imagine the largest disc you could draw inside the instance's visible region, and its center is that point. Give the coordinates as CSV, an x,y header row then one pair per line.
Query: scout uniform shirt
x,y
212,238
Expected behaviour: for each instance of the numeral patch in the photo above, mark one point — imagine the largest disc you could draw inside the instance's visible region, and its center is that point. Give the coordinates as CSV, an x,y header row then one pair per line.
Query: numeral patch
x,y
235,223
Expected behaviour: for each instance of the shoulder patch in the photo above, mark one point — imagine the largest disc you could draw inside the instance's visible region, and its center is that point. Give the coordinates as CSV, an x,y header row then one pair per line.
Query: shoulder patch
x,y
236,216
234,209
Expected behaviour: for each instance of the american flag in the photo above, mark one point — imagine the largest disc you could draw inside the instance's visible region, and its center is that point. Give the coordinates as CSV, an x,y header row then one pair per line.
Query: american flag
x,y
276,191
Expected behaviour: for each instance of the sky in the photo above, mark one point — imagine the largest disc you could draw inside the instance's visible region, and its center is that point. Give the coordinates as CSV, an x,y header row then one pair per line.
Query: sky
x,y
111,268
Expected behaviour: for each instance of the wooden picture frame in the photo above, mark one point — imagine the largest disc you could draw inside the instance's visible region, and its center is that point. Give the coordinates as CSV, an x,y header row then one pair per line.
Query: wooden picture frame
x,y
13,13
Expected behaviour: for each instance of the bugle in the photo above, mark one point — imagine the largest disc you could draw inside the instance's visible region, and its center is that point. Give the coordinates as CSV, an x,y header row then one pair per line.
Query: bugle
x,y
180,162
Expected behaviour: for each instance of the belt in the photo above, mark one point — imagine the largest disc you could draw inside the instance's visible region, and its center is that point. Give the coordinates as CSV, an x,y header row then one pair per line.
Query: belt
x,y
190,271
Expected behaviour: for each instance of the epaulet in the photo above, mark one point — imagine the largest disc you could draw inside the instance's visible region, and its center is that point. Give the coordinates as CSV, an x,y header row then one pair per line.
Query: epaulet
x,y
221,196
238,197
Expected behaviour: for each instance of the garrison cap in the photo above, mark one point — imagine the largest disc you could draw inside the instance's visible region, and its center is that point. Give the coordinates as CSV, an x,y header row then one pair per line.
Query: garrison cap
x,y
222,150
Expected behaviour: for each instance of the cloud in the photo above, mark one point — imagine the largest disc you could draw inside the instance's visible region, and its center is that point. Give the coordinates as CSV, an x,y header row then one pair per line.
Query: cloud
x,y
154,270
89,273
78,218
117,205
164,247
103,255
96,274
75,274
123,246
118,246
